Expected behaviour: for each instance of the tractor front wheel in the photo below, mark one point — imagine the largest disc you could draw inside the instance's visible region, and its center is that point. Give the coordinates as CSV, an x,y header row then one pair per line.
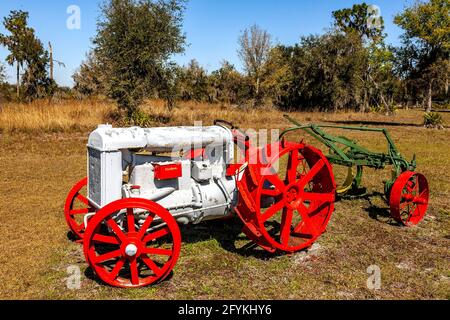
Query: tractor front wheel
x,y
77,207
132,243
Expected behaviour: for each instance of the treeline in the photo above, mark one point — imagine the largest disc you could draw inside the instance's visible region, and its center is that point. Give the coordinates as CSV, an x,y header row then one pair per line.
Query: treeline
x,y
30,58
349,67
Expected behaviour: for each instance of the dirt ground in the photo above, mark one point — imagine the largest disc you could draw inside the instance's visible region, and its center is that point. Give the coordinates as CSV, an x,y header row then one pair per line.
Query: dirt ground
x,y
38,170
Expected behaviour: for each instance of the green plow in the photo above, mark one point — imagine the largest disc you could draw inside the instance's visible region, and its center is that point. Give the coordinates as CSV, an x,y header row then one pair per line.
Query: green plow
x,y
407,192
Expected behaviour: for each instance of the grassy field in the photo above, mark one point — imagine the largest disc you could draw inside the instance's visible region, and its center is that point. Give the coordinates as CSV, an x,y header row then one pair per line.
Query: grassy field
x,y
42,154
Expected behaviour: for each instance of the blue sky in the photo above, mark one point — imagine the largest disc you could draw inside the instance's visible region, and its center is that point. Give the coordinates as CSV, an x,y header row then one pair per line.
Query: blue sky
x,y
211,26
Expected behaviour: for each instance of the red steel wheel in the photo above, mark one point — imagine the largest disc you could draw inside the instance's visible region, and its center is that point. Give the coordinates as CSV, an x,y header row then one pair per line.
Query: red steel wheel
x,y
76,207
132,243
303,194
409,198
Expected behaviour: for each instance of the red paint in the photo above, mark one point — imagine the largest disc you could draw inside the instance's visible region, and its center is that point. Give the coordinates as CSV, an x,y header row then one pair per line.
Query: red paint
x,y
168,171
105,249
77,205
409,198
303,198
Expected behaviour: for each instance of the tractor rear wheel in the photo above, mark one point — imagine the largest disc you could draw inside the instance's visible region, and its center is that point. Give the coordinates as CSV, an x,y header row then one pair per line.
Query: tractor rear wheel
x,y
290,206
129,249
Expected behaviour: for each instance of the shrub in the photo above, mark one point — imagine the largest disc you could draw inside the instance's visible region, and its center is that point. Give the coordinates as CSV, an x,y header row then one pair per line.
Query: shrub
x,y
433,120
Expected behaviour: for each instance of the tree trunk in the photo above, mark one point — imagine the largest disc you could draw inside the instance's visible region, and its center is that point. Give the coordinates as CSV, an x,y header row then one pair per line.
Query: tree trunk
x,y
364,107
430,97
51,59
257,89
18,80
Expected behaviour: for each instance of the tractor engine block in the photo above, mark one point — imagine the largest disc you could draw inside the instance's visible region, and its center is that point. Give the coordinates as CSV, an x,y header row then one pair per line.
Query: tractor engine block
x,y
154,164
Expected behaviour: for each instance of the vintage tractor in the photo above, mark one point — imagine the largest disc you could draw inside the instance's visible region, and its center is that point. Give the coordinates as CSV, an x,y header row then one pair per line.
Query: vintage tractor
x,y
143,183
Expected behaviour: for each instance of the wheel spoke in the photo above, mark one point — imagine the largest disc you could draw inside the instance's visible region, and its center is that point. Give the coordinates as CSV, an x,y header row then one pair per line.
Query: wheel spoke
x,y
115,271
156,235
312,173
134,272
149,263
306,218
291,175
81,227
276,182
286,222
158,251
130,220
272,211
416,185
99,238
115,227
325,197
82,199
271,192
146,225
107,256
421,199
79,211
403,205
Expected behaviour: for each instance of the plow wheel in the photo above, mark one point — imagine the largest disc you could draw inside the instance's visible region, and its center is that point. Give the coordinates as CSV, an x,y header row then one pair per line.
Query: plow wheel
x,y
76,207
409,198
127,248
290,206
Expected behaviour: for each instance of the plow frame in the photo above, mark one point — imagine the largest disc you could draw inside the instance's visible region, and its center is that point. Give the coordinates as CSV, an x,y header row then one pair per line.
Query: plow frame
x,y
348,153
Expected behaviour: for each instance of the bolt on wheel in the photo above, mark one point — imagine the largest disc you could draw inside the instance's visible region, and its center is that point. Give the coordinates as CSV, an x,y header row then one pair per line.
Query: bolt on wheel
x,y
409,198
132,243
77,207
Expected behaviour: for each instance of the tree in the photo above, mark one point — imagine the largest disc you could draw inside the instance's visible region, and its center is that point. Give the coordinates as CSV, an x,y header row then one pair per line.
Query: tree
x,y
424,56
255,44
134,42
89,78
36,80
378,78
321,72
17,41
359,19
227,85
26,51
193,82
2,73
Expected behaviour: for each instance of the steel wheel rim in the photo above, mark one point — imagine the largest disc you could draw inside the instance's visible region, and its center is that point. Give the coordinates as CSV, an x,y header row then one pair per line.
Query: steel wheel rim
x,y
76,195
119,269
293,197
409,198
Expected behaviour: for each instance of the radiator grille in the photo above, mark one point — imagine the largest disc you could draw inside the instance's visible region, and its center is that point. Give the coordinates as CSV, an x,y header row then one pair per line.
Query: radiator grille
x,y
95,176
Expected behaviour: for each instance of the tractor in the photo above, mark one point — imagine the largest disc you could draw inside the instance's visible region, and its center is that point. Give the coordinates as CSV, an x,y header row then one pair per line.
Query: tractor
x,y
143,183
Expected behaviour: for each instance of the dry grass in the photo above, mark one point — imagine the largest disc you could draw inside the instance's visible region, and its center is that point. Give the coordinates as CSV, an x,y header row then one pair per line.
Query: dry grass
x,y
37,170
46,116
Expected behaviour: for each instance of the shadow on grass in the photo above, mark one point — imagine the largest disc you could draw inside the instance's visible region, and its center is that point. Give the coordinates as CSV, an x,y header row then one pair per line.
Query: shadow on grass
x,y
377,213
90,274
228,234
